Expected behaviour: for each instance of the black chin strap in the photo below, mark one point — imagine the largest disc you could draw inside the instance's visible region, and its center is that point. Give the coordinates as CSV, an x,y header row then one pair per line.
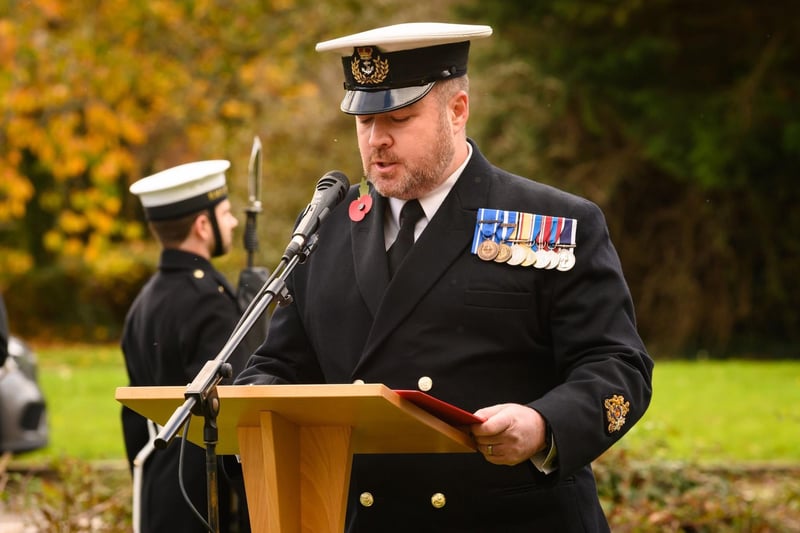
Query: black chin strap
x,y
218,248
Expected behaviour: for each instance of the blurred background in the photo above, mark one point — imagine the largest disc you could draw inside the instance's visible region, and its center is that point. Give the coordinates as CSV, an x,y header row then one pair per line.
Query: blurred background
x,y
680,119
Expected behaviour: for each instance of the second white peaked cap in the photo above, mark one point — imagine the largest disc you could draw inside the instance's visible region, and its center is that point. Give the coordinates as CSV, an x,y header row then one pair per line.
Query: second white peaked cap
x,y
182,190
394,66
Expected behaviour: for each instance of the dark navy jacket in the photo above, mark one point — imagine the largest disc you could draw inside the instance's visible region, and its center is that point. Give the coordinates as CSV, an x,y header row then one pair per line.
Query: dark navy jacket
x,y
181,318
484,333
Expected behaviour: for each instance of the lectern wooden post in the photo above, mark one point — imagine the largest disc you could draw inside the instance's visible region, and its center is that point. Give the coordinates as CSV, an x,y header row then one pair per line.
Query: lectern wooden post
x,y
296,442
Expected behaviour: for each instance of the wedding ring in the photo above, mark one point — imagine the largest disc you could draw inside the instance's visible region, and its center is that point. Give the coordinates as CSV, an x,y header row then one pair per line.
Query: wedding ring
x,y
489,450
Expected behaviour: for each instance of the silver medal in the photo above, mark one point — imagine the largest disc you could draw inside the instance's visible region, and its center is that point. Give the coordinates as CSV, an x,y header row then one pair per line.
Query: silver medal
x,y
566,259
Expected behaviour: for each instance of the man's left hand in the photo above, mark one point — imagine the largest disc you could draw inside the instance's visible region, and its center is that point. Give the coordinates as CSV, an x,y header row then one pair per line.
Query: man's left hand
x,y
512,433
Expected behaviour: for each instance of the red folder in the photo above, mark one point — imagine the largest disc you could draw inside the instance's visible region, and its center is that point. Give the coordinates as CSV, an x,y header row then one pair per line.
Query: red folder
x,y
455,416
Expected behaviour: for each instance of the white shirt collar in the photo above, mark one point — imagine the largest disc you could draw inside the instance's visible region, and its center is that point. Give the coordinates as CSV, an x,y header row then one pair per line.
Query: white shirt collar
x,y
430,202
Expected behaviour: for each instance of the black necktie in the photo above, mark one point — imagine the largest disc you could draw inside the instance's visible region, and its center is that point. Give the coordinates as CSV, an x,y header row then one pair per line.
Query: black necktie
x,y
409,216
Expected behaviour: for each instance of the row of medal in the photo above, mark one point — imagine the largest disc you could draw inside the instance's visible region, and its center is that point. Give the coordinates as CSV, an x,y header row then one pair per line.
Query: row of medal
x,y
525,239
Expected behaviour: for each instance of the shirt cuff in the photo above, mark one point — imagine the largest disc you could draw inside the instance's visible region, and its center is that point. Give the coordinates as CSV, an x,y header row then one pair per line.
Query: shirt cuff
x,y
546,461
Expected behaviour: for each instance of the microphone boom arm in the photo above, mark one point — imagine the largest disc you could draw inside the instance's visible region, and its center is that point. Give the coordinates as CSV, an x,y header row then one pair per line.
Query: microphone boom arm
x,y
201,387
201,396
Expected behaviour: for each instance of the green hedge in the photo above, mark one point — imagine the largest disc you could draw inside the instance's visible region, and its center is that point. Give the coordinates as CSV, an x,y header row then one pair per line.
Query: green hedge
x,y
78,301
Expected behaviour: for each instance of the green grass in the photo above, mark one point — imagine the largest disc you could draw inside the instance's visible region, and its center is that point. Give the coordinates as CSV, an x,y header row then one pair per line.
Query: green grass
x,y
705,411
79,384
721,411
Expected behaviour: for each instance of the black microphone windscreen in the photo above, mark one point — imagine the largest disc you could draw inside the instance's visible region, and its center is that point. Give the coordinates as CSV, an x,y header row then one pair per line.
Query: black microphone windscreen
x,y
331,179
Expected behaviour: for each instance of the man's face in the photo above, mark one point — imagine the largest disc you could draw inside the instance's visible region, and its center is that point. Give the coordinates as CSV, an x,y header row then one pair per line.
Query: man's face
x,y
408,152
227,222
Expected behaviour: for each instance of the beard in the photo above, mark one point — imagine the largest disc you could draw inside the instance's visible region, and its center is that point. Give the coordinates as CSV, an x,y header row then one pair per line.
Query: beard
x,y
420,176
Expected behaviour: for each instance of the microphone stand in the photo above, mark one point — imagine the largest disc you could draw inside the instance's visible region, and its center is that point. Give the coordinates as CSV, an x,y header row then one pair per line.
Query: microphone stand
x,y
201,396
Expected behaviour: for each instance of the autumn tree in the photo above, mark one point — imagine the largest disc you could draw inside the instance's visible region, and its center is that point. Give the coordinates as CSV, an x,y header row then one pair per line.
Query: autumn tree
x,y
96,94
681,120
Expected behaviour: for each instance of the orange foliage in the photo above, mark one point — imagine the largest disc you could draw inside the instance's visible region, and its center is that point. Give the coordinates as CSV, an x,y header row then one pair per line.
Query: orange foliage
x,y
98,94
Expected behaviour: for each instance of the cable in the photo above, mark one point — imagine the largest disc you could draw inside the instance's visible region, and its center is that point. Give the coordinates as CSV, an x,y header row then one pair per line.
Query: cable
x,y
180,478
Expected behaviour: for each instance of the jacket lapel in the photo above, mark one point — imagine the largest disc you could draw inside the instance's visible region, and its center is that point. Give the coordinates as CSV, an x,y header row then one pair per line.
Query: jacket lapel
x,y
369,254
447,236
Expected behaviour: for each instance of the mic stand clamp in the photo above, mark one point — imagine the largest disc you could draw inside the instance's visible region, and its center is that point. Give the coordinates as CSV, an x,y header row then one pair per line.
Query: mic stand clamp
x,y
207,404
208,408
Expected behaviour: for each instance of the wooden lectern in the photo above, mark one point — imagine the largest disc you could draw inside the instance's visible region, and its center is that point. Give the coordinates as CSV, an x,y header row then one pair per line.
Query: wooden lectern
x,y
296,442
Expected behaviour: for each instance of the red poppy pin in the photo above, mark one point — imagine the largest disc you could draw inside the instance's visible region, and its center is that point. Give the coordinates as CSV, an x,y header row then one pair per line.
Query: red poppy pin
x,y
361,205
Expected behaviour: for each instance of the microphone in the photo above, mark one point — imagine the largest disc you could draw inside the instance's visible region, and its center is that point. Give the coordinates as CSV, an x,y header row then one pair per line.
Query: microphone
x,y
331,189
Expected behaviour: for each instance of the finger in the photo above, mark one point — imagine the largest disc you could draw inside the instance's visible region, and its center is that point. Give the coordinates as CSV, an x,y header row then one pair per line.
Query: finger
x,y
488,412
493,426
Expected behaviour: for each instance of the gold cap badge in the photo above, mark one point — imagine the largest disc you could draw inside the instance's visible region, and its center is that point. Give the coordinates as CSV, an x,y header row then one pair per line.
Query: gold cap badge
x,y
368,67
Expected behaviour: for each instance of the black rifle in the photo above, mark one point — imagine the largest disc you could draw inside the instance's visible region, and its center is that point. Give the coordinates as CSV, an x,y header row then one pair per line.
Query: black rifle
x,y
252,277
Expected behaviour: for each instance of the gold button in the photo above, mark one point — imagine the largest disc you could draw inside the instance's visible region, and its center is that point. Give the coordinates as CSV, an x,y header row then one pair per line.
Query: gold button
x,y
358,382
438,500
221,289
425,383
199,274
366,499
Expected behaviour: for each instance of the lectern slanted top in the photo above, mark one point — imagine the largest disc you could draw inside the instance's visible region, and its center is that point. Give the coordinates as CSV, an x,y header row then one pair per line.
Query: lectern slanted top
x,y
296,442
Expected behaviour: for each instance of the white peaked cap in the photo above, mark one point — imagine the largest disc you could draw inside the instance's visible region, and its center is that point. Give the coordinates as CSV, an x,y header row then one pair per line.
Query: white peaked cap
x,y
182,190
406,36
392,67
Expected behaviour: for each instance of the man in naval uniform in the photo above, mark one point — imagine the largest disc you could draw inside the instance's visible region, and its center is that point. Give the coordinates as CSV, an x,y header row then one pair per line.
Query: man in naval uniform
x,y
511,303
181,319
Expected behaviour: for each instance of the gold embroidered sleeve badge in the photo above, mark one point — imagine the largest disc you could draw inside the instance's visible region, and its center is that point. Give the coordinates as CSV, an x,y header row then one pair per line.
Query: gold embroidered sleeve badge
x,y
616,410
